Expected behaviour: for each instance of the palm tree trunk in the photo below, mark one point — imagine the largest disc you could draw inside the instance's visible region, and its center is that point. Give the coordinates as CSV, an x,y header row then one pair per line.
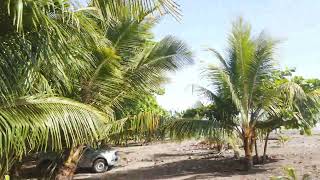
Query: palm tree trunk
x,y
67,170
256,148
248,152
265,147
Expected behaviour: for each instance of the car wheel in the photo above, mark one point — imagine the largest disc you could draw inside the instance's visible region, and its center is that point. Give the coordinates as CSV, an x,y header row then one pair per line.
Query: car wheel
x,y
100,166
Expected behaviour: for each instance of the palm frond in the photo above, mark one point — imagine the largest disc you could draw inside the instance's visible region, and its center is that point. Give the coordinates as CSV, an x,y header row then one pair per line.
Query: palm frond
x,y
248,63
262,65
205,92
314,96
144,73
222,80
129,34
293,92
143,126
219,57
50,51
186,128
111,8
48,123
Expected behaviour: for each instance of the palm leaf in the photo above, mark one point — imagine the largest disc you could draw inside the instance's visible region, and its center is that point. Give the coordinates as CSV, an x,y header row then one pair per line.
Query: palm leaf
x,y
221,78
144,73
186,128
111,8
48,123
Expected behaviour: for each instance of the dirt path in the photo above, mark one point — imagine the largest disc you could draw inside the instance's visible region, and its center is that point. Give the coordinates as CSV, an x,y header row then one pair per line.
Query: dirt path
x,y
186,161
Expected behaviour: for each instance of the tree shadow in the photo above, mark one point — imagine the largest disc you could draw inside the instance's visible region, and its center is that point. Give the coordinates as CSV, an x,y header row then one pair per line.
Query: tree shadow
x,y
165,155
224,167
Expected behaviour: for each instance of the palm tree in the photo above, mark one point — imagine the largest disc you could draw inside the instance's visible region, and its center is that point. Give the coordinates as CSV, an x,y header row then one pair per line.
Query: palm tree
x,y
38,46
132,65
249,61
297,106
240,98
45,46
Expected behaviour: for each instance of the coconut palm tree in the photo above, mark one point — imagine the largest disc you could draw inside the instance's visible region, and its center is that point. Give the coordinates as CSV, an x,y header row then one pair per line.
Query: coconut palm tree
x,y
45,47
240,97
297,106
132,65
38,46
248,62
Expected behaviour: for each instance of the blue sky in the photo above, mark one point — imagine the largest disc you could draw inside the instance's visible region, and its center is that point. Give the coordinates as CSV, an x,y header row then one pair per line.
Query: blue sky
x,y
206,23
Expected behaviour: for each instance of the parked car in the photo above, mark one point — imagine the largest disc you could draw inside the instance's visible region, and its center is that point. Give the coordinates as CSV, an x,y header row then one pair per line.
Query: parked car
x,y
98,160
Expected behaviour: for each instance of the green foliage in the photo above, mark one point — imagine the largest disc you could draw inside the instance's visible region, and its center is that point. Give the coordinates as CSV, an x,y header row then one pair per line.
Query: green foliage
x,y
236,102
231,140
40,124
283,139
130,72
146,103
248,94
197,113
290,175
142,127
308,85
298,104
102,55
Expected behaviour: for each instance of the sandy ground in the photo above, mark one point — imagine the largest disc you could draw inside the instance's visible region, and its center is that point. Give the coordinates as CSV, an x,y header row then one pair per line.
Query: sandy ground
x,y
185,160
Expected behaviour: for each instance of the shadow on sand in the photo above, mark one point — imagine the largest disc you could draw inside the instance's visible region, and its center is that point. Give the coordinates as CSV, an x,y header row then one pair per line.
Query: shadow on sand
x,y
168,155
187,169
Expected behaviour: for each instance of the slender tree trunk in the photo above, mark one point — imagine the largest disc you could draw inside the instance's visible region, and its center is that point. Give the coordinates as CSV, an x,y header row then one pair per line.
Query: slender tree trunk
x,y
248,152
126,142
67,170
265,148
256,149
